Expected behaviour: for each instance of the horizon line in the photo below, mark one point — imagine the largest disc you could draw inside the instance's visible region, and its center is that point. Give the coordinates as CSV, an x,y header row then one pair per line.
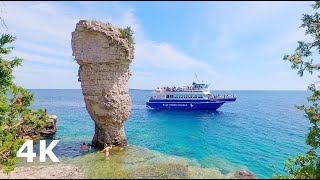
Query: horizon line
x,y
153,89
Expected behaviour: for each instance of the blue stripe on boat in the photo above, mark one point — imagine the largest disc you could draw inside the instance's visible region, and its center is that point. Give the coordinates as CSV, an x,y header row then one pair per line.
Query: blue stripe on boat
x,y
185,105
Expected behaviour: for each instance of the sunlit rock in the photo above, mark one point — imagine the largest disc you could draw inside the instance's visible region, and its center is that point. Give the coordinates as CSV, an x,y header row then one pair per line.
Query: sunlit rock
x,y
104,56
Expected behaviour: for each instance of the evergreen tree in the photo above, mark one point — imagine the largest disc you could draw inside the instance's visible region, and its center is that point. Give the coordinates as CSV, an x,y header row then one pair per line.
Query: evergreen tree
x,y
14,108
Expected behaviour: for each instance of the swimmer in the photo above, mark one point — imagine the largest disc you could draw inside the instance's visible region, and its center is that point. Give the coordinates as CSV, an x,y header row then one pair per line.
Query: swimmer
x,y
106,149
83,146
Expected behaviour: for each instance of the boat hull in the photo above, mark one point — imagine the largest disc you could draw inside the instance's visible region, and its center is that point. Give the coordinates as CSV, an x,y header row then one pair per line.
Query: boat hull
x,y
185,105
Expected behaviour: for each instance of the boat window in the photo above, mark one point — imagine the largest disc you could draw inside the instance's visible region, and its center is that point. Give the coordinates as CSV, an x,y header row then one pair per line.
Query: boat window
x,y
167,96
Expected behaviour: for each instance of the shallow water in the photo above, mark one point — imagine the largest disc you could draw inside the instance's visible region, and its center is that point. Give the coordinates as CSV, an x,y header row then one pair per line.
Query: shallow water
x,y
257,131
136,162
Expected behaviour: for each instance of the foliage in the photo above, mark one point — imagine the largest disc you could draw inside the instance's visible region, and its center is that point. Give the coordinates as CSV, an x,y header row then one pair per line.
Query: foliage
x,y
14,108
308,166
128,34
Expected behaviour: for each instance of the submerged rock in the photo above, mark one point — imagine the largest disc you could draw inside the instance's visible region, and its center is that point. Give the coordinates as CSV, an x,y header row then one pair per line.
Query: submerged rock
x,y
161,171
135,162
104,56
242,174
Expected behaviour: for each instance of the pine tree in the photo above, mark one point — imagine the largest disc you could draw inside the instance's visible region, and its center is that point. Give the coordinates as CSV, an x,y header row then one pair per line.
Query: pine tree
x,y
14,108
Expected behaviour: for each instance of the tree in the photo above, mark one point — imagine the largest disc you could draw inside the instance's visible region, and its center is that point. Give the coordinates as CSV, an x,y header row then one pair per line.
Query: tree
x,y
14,109
308,166
127,33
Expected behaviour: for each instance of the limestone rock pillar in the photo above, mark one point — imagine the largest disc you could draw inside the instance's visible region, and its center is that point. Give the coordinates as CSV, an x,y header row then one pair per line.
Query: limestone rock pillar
x,y
104,57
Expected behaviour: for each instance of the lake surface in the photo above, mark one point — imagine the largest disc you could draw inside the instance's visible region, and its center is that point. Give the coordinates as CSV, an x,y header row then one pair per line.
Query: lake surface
x,y
257,131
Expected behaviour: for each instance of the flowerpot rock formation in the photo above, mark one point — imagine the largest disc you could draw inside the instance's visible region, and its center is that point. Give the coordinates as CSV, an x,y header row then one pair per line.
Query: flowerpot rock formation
x,y
104,56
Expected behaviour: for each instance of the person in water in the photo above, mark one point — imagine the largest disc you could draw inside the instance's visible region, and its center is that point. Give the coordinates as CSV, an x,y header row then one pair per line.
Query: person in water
x,y
106,149
83,146
89,146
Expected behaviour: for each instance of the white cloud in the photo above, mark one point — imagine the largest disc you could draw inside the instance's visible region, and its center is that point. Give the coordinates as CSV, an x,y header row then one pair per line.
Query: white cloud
x,y
33,46
166,56
286,42
34,76
39,22
34,58
142,73
44,36
251,18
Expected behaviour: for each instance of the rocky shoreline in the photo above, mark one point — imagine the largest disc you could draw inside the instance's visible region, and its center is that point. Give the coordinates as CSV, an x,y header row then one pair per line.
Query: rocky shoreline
x,y
60,171
27,132
63,171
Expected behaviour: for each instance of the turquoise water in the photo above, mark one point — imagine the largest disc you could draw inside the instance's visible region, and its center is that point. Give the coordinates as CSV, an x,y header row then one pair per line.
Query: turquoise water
x,y
257,131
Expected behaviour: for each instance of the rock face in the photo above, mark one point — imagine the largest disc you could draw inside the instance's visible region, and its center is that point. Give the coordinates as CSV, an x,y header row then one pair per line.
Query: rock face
x,y
30,133
52,128
104,57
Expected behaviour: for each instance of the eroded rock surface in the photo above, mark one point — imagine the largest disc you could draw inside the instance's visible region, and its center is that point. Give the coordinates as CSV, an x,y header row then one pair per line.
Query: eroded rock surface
x,y
104,57
28,132
60,171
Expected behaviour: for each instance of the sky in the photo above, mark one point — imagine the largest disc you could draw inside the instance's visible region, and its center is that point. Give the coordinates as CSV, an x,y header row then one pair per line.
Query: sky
x,y
231,45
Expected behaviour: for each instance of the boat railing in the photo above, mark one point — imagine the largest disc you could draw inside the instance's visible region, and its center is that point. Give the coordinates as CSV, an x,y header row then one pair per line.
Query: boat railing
x,y
179,89
224,96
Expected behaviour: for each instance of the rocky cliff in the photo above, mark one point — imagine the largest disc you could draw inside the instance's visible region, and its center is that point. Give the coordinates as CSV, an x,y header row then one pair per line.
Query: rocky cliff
x,y
104,56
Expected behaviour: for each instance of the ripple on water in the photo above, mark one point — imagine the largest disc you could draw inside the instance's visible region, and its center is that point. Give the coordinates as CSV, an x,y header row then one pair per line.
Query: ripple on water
x,y
260,129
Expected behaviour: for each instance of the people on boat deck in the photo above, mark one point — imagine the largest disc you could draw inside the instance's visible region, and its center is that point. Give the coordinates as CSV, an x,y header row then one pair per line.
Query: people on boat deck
x,y
175,89
223,96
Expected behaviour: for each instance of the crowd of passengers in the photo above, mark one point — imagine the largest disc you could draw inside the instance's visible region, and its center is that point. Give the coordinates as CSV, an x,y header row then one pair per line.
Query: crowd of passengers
x,y
209,96
177,89
222,96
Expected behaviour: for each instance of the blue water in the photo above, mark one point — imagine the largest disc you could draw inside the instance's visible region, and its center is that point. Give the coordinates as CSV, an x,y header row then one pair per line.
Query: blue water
x,y
257,131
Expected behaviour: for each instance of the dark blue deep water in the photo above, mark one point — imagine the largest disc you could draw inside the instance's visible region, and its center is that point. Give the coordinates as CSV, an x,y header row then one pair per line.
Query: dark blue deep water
x,y
257,131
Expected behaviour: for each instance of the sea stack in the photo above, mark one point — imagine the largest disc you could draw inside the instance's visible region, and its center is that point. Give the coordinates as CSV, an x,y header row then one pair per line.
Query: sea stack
x,y
104,56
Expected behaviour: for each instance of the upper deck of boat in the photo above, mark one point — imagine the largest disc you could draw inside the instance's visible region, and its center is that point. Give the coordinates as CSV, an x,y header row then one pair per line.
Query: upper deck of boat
x,y
194,88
